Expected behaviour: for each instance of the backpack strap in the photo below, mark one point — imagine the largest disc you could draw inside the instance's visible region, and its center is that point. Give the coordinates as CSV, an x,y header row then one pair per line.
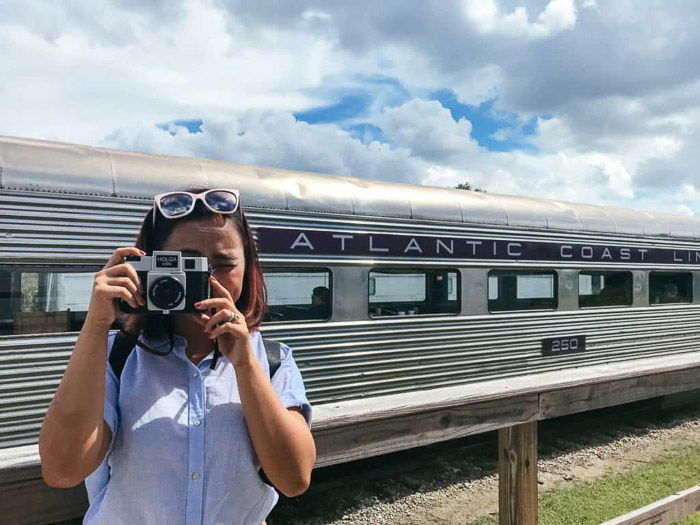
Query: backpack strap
x,y
273,351
122,346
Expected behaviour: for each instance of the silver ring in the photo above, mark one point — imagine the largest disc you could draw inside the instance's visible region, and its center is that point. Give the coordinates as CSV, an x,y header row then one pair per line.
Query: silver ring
x,y
233,318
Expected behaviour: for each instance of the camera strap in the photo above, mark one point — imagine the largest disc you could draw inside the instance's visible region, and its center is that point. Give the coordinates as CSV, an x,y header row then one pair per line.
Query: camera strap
x,y
124,343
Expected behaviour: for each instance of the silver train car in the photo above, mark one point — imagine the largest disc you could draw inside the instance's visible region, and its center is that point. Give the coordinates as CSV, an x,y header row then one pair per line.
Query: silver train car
x,y
379,287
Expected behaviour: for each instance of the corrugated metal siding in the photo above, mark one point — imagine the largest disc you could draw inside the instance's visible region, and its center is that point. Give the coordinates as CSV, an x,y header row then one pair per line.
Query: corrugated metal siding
x,y
353,360
60,229
382,357
30,370
338,360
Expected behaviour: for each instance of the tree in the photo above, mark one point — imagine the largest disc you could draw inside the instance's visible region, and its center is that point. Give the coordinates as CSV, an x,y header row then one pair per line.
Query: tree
x,y
467,186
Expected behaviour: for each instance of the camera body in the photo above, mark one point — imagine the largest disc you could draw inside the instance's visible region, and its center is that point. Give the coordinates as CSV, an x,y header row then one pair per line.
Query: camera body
x,y
172,283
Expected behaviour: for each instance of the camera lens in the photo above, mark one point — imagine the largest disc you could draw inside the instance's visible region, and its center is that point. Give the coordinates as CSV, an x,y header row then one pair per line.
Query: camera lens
x,y
166,293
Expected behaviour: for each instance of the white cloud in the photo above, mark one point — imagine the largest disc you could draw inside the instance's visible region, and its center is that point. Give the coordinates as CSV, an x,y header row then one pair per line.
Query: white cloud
x,y
184,67
682,209
620,181
274,138
428,130
689,192
486,15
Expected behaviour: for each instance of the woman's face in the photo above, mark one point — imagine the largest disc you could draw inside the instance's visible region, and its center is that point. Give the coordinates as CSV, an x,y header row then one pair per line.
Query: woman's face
x,y
219,241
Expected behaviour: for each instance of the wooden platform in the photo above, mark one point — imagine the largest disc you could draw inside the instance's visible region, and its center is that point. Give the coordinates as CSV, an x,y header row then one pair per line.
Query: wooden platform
x,y
361,428
357,429
26,499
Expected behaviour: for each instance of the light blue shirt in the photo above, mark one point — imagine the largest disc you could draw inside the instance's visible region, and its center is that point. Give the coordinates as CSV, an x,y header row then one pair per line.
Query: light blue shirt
x,y
180,451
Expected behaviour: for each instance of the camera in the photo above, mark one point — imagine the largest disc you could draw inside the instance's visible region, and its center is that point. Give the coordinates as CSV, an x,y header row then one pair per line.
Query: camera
x,y
172,283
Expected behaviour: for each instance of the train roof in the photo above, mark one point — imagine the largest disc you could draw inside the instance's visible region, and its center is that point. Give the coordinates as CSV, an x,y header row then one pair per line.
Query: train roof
x,y
45,166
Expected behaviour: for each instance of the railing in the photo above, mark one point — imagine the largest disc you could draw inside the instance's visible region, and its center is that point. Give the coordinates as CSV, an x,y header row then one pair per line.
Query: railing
x,y
663,512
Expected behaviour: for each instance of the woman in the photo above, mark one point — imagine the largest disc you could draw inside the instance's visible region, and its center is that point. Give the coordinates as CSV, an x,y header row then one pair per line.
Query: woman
x,y
176,437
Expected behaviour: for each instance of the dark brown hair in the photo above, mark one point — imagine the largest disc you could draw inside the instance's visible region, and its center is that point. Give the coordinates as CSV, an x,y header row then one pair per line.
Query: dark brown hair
x,y
253,299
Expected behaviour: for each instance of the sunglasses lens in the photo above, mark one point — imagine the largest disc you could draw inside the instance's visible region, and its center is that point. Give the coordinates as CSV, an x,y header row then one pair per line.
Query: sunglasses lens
x,y
175,204
222,201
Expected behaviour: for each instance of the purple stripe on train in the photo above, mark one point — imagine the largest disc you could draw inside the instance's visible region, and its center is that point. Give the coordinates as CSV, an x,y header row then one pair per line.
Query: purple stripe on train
x,y
378,245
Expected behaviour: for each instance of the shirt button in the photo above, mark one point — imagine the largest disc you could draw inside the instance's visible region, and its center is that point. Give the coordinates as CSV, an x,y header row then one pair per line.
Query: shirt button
x,y
196,422
195,475
195,374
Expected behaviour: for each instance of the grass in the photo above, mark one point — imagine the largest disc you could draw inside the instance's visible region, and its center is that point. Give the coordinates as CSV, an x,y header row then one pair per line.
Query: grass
x,y
691,520
615,494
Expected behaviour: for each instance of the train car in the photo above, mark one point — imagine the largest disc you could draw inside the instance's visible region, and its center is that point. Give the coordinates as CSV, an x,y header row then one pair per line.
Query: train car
x,y
379,287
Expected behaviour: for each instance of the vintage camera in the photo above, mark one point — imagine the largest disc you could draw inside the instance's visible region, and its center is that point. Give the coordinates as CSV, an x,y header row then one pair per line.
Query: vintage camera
x,y
172,283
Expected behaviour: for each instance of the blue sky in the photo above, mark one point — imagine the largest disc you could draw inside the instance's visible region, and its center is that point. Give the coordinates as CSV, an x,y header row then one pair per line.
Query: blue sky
x,y
352,113
487,122
493,129
191,125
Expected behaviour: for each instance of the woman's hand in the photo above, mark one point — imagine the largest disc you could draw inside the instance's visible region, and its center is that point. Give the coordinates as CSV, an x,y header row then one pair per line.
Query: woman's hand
x,y
117,280
234,338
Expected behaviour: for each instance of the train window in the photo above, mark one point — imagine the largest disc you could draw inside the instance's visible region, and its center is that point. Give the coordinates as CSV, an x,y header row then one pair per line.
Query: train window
x,y
604,289
39,302
298,294
668,287
413,292
521,290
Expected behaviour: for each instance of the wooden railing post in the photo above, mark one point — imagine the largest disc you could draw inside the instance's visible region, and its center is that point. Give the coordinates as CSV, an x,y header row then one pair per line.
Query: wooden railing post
x,y
517,474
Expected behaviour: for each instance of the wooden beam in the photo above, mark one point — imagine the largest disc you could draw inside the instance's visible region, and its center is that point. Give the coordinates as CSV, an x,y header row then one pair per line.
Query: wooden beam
x,y
365,438
663,512
517,475
344,413
599,395
32,501
19,463
26,499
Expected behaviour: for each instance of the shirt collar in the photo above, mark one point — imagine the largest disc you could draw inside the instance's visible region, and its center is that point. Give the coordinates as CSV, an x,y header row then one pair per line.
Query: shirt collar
x,y
161,343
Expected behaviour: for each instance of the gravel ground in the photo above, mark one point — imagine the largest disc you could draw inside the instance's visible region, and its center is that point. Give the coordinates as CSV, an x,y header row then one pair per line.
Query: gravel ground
x,y
455,482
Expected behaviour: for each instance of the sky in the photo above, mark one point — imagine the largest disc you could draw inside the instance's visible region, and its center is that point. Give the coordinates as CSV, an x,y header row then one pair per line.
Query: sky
x,y
585,101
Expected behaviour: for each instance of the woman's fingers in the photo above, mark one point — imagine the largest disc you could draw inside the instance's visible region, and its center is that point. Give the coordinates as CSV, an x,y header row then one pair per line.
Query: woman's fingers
x,y
202,319
129,284
234,329
125,282
222,316
119,254
125,270
215,302
219,289
218,323
125,277
119,292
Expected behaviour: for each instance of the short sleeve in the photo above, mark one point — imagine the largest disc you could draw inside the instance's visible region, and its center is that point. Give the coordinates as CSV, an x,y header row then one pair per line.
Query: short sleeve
x,y
289,385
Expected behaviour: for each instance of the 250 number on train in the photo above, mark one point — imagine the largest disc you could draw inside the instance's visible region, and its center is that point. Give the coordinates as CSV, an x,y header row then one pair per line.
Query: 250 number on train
x,y
563,345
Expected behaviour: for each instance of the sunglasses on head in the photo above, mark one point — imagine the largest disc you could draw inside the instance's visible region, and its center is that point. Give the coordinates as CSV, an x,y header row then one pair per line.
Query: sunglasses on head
x,y
177,204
